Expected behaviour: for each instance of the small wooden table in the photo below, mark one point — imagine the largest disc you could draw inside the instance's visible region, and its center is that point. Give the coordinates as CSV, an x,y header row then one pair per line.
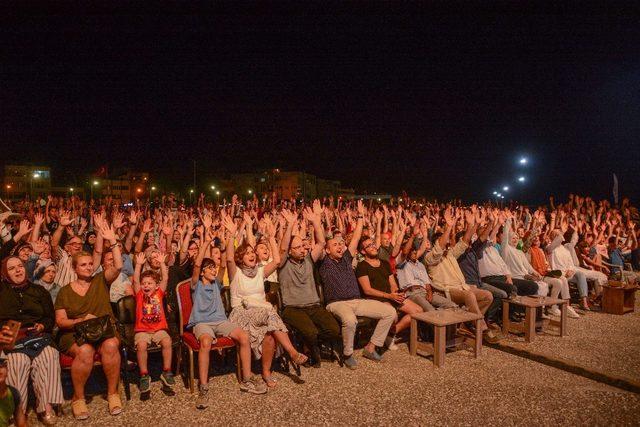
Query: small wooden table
x,y
619,299
440,319
531,303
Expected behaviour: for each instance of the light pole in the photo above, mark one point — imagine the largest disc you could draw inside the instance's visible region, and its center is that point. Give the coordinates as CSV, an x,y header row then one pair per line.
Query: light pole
x,y
191,192
36,175
93,184
217,196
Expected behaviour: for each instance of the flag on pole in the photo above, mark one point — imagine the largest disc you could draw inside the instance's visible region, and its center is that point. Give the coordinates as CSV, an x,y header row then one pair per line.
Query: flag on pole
x,y
615,189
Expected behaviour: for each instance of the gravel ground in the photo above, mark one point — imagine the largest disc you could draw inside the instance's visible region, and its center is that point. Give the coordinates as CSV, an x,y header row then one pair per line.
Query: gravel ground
x,y
597,341
498,388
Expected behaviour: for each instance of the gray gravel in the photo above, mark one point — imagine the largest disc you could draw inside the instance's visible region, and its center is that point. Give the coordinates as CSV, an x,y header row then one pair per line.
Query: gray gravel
x,y
597,341
498,388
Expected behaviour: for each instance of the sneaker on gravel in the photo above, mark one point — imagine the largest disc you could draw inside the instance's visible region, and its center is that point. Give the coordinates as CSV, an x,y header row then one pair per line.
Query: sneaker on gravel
x,y
167,379
145,383
572,313
254,385
390,343
554,311
351,362
202,402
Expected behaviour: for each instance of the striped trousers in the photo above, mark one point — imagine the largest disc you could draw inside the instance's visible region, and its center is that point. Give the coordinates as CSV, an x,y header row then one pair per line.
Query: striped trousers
x,y
44,371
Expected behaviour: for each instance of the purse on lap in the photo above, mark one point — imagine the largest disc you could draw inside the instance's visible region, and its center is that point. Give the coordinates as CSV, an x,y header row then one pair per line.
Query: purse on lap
x,y
93,331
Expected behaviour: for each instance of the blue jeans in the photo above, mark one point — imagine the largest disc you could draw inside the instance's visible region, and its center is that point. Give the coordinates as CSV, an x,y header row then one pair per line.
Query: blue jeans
x,y
498,294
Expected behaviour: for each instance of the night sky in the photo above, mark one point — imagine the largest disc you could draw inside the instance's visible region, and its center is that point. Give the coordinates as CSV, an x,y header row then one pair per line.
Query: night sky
x,y
384,100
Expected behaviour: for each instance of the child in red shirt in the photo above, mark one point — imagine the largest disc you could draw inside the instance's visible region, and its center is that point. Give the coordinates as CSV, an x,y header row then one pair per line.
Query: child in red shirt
x,y
151,322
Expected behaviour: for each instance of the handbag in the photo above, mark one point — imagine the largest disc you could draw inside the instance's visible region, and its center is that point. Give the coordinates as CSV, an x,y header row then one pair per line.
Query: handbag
x,y
32,345
95,330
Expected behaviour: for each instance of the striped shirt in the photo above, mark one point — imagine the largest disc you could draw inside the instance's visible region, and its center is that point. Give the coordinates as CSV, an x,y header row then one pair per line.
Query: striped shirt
x,y
66,274
338,279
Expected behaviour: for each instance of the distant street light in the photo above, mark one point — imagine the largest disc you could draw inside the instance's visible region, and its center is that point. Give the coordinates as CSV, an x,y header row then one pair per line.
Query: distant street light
x,y
213,187
495,193
505,188
71,189
521,179
217,193
523,161
95,183
250,191
153,188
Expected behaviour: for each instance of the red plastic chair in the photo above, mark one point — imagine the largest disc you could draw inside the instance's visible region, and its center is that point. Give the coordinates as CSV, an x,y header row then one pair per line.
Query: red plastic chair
x,y
189,340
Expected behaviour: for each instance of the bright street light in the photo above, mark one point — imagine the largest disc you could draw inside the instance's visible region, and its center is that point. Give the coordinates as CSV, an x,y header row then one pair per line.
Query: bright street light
x,y
505,188
153,188
95,183
502,197
250,191
71,189
523,161
213,187
191,191
495,193
499,195
521,179
217,193
36,175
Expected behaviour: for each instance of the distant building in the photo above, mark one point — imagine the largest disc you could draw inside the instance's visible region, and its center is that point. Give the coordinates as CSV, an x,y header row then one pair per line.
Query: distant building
x,y
286,184
125,188
20,180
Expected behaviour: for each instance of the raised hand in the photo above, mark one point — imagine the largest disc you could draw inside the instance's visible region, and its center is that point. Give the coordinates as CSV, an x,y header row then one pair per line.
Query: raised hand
x,y
38,219
141,258
65,218
470,217
147,226
108,233
289,216
118,220
229,224
449,218
360,208
133,217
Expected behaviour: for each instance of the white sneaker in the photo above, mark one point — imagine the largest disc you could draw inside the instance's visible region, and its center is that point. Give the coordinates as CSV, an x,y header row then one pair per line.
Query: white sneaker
x,y
554,311
390,343
572,313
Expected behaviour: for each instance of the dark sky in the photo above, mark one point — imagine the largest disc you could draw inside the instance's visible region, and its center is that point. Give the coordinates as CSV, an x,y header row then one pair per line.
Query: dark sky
x,y
384,99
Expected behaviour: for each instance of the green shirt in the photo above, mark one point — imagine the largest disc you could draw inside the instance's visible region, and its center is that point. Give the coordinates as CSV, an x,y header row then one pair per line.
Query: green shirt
x,y
8,405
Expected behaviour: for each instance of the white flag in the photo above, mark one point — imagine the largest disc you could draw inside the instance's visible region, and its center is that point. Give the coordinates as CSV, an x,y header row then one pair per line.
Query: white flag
x,y
615,189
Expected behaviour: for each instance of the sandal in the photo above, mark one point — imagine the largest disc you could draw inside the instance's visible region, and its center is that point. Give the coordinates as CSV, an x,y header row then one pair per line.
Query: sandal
x,y
115,404
270,381
79,409
300,359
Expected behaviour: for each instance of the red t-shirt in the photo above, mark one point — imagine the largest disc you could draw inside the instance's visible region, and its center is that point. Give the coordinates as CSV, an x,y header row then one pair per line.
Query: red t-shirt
x,y
150,312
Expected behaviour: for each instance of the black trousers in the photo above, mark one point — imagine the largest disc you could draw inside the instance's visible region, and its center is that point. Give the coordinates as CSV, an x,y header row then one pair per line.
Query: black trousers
x,y
312,323
520,286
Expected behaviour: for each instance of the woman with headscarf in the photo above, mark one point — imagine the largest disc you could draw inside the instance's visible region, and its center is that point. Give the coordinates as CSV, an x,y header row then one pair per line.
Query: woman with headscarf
x,y
32,356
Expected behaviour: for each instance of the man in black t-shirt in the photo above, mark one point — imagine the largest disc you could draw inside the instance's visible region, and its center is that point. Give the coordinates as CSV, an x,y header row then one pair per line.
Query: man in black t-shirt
x,y
377,282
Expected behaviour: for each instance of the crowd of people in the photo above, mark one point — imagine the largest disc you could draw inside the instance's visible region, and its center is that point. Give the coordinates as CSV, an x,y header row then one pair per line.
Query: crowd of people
x,y
65,262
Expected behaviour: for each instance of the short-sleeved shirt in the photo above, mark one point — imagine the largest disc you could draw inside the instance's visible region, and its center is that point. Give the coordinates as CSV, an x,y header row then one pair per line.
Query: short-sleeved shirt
x,y
150,315
338,279
378,276
297,283
207,304
95,301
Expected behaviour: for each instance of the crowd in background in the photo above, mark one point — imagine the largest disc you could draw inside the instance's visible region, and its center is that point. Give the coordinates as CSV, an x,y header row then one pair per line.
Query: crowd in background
x,y
65,261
